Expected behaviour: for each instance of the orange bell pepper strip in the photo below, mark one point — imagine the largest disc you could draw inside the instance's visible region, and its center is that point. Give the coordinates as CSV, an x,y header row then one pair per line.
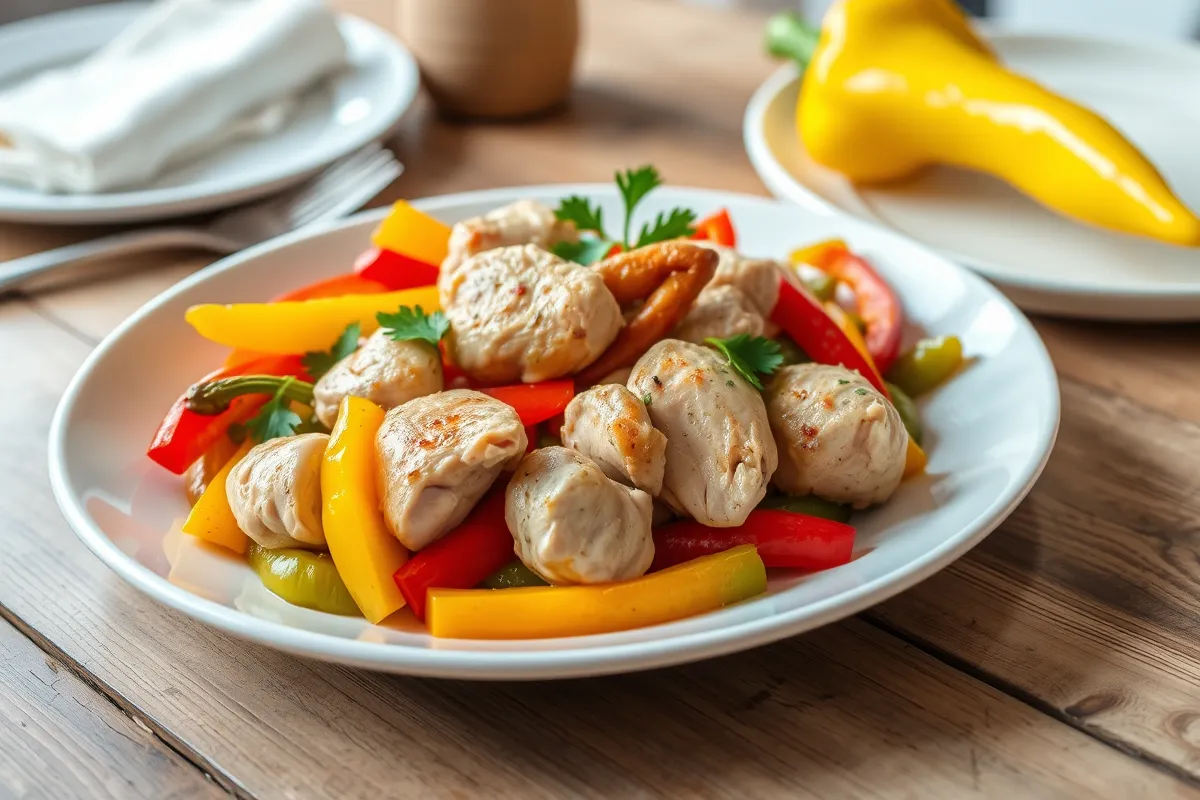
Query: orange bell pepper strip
x,y
364,551
337,286
915,459
538,612
303,326
819,254
211,519
535,402
717,228
412,233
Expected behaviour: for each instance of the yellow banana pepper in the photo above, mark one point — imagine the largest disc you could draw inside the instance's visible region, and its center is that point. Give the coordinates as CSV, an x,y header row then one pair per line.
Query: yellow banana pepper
x,y
211,519
301,326
412,233
539,612
364,551
892,86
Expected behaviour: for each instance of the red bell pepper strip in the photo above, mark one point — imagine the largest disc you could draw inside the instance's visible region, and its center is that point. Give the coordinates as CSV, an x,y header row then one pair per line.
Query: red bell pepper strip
x,y
878,305
717,228
535,402
393,270
337,286
462,558
805,321
184,435
783,539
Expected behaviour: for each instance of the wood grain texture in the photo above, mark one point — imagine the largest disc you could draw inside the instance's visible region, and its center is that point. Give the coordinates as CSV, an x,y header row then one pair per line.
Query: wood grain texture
x,y
60,739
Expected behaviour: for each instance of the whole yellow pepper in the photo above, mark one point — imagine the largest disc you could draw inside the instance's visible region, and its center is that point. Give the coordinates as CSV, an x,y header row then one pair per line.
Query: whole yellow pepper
x,y
892,86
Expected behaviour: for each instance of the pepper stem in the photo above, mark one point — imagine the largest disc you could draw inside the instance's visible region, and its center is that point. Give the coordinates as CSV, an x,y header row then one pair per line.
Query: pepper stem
x,y
789,36
215,396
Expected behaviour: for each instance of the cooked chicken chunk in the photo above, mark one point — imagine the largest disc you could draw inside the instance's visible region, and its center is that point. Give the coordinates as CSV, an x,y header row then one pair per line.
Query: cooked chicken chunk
x,y
758,278
522,222
721,312
384,371
572,524
720,454
437,455
275,492
838,437
523,314
610,425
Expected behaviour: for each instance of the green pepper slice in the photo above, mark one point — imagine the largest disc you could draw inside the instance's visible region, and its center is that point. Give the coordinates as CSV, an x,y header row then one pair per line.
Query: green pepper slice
x,y
927,365
303,578
514,576
807,504
909,415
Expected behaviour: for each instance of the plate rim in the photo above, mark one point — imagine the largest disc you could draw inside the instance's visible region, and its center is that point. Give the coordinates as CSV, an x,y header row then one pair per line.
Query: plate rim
x,y
531,664
783,184
145,205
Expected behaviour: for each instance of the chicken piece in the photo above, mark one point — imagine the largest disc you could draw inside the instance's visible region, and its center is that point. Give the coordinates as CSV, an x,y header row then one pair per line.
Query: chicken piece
x,y
758,278
720,312
610,425
523,314
437,455
522,222
384,371
572,524
275,492
839,438
720,454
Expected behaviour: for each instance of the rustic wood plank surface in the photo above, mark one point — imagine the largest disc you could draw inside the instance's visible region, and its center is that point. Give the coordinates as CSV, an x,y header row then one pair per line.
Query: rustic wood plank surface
x,y
1075,622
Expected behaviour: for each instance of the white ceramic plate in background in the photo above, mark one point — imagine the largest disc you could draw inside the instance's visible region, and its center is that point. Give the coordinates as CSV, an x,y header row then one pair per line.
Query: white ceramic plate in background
x,y
1045,262
989,433
351,109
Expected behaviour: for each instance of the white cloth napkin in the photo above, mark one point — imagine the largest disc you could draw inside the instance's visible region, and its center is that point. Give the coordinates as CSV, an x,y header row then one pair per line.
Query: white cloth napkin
x,y
185,77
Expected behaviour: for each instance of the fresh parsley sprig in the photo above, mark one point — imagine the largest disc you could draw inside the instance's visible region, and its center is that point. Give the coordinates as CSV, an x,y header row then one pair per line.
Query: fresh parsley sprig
x,y
318,362
276,418
413,324
750,356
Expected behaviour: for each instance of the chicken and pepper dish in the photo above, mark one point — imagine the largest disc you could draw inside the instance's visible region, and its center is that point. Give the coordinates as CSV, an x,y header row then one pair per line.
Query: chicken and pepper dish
x,y
521,426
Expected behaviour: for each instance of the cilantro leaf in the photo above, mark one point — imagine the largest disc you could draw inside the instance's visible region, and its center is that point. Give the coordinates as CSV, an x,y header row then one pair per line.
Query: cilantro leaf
x,y
585,251
580,211
318,362
750,356
275,418
409,324
635,184
677,223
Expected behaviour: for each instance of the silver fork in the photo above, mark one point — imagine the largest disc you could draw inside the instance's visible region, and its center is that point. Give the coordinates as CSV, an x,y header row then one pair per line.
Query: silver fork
x,y
343,187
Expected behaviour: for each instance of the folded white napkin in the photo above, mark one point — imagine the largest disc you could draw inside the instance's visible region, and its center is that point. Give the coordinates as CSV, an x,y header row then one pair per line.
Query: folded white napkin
x,y
184,78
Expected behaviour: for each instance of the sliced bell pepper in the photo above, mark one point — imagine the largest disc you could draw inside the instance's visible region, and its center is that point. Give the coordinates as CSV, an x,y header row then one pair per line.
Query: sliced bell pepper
x,y
513,576
198,476
877,305
183,435
716,228
300,327
211,519
927,365
302,578
909,413
363,549
801,317
462,558
535,402
539,612
337,286
846,325
783,539
915,459
819,254
808,504
394,270
412,233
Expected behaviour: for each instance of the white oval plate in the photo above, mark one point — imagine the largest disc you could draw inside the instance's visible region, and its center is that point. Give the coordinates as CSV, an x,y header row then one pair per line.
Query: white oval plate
x,y
1045,262
990,431
352,108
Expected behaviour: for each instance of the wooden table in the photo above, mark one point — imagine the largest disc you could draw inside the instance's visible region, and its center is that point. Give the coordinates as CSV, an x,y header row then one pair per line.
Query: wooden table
x,y
1060,658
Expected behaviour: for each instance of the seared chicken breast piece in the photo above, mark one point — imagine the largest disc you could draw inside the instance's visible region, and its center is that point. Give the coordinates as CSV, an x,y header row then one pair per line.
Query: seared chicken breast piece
x,y
572,524
757,278
522,222
437,455
720,454
838,437
610,425
720,312
523,314
275,492
384,371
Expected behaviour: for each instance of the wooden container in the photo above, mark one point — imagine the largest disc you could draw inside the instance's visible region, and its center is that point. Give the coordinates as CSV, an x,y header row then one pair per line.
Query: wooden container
x,y
493,58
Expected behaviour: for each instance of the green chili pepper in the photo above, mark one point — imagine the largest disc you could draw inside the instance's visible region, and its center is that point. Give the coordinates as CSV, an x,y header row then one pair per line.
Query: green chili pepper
x,y
807,504
513,576
303,578
791,352
927,365
908,411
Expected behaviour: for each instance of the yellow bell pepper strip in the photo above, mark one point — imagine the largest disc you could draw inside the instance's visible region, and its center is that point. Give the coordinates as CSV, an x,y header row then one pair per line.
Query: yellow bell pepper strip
x,y
893,86
817,254
364,550
927,365
302,578
301,326
915,460
211,519
412,233
539,612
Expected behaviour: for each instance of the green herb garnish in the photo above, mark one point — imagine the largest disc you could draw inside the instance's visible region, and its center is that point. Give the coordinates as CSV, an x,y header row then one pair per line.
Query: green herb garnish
x,y
318,362
750,356
413,324
276,418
